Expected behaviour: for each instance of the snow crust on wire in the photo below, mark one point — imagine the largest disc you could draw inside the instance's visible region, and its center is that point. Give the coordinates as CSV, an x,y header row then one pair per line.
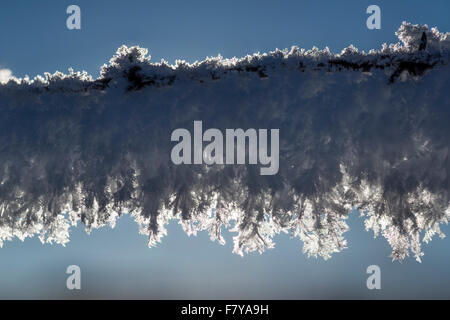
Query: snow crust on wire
x,y
366,131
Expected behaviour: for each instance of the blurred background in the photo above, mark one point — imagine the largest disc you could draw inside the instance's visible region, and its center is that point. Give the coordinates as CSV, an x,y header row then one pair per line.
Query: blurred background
x,y
116,263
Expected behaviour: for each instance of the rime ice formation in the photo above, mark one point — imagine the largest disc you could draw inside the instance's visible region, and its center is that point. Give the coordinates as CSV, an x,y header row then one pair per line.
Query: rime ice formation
x,y
359,130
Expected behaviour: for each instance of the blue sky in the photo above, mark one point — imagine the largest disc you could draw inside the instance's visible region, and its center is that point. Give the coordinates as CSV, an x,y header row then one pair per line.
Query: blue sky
x,y
35,38
117,263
